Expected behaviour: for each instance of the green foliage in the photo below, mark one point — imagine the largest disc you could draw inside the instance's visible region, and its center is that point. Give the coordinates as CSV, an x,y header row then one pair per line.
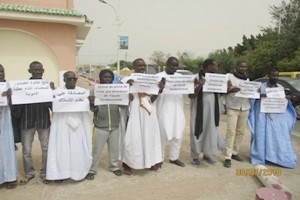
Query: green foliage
x,y
278,46
188,62
226,59
123,64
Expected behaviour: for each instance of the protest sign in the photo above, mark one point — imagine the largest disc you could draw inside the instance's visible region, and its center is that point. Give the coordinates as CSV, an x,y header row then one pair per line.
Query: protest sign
x,y
276,92
70,100
111,94
31,91
248,89
144,83
273,105
179,84
3,99
216,83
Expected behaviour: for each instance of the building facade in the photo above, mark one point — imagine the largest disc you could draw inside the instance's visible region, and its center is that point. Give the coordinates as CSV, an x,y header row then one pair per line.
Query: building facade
x,y
40,30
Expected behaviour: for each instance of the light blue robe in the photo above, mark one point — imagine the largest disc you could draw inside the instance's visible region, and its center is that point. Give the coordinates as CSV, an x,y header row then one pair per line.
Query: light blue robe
x,y
8,162
271,136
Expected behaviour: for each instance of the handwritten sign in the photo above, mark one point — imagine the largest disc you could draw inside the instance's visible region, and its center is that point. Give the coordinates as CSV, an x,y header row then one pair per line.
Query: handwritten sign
x,y
276,92
111,94
70,100
273,105
216,83
179,84
249,89
3,99
31,91
146,83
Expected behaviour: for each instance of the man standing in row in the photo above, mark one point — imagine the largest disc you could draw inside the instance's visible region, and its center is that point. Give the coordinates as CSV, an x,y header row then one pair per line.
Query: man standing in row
x,y
35,117
170,113
142,145
237,114
205,134
70,141
8,161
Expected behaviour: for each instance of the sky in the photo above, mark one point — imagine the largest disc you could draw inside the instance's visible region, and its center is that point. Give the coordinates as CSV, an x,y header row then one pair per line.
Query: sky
x,y
171,26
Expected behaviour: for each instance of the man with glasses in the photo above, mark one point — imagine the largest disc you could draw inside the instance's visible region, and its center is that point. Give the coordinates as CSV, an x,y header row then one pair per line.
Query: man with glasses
x,y
70,142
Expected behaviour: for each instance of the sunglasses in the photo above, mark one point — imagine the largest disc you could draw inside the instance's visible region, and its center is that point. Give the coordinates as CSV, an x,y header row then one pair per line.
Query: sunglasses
x,y
72,79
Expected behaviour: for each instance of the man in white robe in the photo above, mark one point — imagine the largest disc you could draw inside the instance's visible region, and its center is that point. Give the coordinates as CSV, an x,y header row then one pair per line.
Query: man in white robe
x,y
142,145
70,143
8,162
170,113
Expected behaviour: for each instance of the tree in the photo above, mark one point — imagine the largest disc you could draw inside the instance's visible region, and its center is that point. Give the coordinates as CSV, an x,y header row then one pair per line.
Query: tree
x,y
226,59
188,62
285,15
158,58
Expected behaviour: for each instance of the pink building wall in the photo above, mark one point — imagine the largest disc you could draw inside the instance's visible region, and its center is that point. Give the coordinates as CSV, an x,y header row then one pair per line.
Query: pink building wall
x,y
59,37
64,4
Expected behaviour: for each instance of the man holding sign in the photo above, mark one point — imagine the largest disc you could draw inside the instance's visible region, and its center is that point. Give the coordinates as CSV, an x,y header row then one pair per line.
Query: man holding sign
x,y
34,117
8,161
142,145
106,128
237,114
205,134
70,142
271,132
171,118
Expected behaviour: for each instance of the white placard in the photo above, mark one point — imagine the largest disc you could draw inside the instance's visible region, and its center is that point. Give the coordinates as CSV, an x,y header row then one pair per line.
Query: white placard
x,y
31,91
273,105
179,84
146,83
3,99
71,100
248,89
276,92
111,94
216,83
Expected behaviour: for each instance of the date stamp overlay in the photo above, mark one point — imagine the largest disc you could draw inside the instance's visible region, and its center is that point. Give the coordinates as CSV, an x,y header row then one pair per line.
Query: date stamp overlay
x,y
257,172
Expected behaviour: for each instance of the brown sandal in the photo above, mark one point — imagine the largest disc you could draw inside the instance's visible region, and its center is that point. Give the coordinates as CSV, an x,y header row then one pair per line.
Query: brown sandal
x,y
118,172
25,180
90,176
11,185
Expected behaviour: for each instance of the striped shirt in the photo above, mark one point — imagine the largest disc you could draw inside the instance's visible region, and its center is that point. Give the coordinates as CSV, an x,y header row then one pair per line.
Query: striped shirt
x,y
35,115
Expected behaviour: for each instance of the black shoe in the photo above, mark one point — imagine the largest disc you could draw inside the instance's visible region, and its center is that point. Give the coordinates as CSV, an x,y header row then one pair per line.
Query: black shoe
x,y
118,172
177,162
159,165
237,158
227,163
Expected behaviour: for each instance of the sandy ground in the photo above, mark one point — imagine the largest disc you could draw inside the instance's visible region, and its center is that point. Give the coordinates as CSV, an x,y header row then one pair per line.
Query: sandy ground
x,y
170,182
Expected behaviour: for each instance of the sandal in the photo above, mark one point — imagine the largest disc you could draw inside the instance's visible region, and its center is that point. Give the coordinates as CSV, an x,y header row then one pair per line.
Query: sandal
x,y
127,172
154,168
25,180
45,181
11,185
90,176
209,160
117,172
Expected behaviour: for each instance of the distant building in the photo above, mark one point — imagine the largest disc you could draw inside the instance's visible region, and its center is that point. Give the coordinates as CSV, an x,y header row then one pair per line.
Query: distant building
x,y
49,31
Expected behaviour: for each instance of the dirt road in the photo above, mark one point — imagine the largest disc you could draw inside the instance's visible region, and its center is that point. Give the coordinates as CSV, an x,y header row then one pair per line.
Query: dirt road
x,y
171,182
